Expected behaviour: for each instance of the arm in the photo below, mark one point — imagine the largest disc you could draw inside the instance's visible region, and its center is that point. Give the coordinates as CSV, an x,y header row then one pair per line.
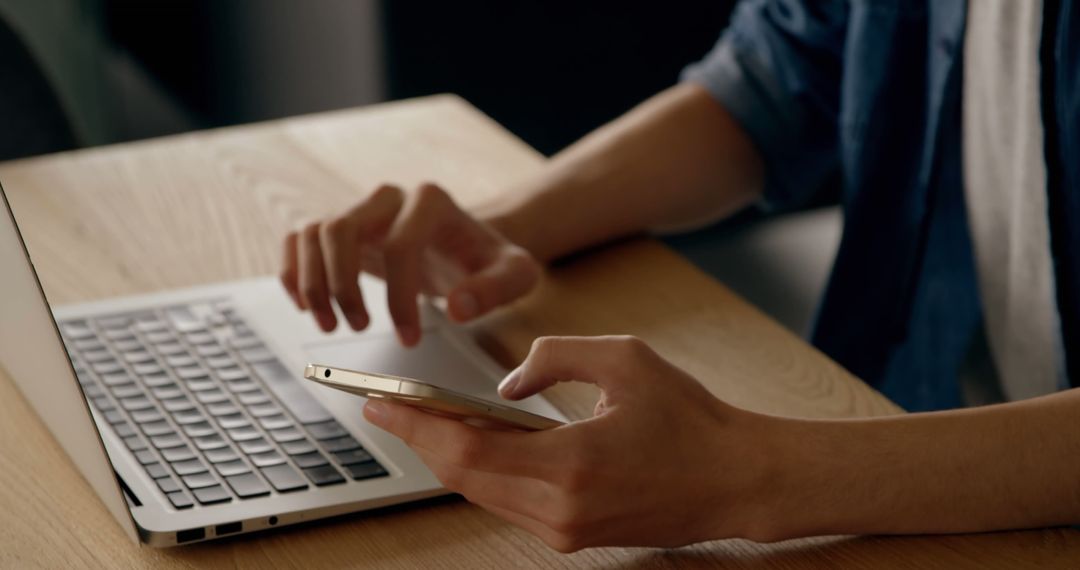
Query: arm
x,y
664,463
1014,465
677,159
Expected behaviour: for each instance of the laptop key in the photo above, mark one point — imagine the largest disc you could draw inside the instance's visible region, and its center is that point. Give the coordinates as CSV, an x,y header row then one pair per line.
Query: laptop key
x,y
286,386
201,383
147,368
298,447
222,409
171,348
229,468
76,330
126,391
124,429
167,392
212,495
167,485
178,453
166,441
120,335
266,459
259,445
353,456
341,444
156,380
191,372
189,416
119,322
136,403
181,360
156,470
233,421
134,443
181,404
160,337
107,367
284,478
180,500
114,416
324,475
365,470
145,457
275,422
218,362
285,435
183,319
199,429
208,397
210,350
138,357
253,398
103,403
88,344
127,345
147,415
306,460
157,428
243,433
220,455
188,467
99,355
233,374
263,410
116,379
197,480
248,485
210,442
326,430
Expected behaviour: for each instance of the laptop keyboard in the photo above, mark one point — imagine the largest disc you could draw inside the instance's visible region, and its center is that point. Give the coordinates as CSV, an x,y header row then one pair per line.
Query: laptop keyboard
x,y
207,409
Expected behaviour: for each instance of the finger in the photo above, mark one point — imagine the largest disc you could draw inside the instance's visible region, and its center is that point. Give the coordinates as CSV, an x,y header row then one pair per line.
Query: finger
x,y
468,447
343,240
403,255
289,274
607,361
313,289
512,274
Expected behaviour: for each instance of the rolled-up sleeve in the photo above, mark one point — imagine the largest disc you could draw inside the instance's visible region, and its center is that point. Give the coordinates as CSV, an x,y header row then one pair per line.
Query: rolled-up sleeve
x,y
778,70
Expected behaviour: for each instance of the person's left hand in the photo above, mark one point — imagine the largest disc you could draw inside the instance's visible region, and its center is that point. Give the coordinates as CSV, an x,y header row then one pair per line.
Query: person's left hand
x,y
662,462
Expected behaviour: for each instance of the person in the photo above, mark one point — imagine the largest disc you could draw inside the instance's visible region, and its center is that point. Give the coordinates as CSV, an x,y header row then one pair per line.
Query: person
x,y
950,128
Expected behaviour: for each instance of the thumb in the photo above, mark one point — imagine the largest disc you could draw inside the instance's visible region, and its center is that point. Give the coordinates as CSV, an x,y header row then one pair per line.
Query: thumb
x,y
513,274
606,361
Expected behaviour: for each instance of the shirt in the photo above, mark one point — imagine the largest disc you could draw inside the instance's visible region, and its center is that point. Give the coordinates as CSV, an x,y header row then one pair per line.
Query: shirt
x,y
868,92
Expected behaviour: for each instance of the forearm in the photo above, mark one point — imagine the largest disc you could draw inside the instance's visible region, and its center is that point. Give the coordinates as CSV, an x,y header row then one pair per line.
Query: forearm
x,y
677,159
1000,467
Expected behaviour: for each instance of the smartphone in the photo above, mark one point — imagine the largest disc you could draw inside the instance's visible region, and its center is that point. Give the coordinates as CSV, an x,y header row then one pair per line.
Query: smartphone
x,y
426,397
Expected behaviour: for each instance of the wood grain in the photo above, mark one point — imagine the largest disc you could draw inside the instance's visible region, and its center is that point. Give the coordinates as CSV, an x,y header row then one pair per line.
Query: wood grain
x,y
212,206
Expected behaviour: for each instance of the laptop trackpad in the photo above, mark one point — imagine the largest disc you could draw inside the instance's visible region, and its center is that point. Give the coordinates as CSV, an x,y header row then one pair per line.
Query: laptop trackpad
x,y
435,361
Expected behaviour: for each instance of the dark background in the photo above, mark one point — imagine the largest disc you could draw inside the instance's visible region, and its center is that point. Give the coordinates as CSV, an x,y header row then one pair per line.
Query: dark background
x,y
550,71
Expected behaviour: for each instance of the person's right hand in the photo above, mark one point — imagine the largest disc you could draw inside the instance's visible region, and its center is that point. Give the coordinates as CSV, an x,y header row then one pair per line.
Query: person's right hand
x,y
418,243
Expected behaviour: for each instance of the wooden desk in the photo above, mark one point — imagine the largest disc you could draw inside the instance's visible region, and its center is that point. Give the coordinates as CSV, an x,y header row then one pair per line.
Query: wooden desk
x,y
212,206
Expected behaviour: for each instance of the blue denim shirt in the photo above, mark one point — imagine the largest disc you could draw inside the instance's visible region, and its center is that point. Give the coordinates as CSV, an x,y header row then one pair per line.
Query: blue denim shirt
x,y
868,92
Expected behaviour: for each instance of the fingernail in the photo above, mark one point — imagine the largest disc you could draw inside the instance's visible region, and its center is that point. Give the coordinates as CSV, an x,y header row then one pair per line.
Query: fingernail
x,y
506,387
466,305
375,412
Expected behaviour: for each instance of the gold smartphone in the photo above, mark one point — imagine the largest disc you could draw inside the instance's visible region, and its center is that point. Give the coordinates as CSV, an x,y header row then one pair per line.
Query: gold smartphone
x,y
425,396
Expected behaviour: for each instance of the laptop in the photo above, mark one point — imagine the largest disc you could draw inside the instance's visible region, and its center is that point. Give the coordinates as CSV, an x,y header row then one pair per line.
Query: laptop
x,y
187,413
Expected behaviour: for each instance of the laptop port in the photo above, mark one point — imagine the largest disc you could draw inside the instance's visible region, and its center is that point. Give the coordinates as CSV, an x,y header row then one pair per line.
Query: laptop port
x,y
190,535
227,528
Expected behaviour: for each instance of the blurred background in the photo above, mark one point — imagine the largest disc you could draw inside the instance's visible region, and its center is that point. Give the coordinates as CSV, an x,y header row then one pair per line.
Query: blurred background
x,y
79,73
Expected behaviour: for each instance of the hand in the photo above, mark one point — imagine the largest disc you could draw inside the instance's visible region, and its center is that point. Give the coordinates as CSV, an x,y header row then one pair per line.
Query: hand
x,y
661,463
421,244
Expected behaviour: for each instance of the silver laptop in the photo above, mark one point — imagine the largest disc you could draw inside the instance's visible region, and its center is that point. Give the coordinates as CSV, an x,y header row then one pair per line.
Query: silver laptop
x,y
187,413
